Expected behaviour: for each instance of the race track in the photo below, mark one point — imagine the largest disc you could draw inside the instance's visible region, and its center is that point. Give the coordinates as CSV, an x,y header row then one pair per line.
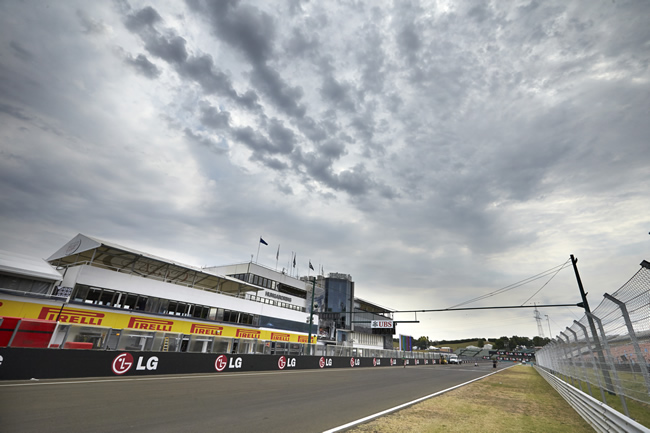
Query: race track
x,y
282,401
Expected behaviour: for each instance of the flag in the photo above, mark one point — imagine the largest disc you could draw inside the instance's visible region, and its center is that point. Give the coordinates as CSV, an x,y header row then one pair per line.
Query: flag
x,y
310,266
277,255
294,261
262,241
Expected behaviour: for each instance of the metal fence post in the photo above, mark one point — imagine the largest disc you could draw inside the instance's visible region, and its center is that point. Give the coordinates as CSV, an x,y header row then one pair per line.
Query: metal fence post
x,y
582,362
610,364
570,357
640,359
593,360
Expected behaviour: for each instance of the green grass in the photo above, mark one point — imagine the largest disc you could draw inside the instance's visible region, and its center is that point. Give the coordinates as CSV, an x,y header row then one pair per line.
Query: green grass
x,y
513,401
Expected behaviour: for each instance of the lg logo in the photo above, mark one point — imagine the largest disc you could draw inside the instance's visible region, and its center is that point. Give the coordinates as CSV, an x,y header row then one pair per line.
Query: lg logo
x,y
123,362
286,362
222,362
322,362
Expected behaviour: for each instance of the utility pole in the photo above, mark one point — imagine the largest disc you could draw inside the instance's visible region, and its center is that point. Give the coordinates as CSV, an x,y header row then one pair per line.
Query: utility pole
x,y
538,318
592,326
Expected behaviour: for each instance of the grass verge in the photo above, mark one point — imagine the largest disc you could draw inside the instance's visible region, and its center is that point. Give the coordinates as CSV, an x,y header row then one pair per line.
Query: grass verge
x,y
512,401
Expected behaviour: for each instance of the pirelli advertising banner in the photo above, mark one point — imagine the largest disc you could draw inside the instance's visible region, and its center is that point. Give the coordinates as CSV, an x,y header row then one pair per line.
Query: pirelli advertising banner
x,y
71,313
25,363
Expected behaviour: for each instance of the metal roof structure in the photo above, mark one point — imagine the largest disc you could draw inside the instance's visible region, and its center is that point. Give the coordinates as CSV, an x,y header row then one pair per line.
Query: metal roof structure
x,y
86,250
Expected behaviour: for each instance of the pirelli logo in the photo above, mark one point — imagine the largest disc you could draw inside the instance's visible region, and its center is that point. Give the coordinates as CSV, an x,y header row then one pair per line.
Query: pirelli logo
x,y
198,328
305,339
248,333
70,315
150,324
277,336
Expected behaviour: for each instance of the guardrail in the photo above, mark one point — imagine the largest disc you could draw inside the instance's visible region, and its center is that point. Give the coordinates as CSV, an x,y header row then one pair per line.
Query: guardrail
x,y
600,416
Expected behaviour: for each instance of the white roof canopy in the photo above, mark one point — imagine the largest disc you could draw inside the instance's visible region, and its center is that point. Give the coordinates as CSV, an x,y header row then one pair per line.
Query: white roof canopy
x,y
19,264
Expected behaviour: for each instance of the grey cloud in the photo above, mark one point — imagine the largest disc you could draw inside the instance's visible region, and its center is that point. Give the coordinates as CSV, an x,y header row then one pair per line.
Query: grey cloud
x,y
270,162
257,142
355,181
408,40
217,120
202,70
284,138
372,57
252,32
91,26
170,49
311,129
243,27
284,96
13,111
205,141
143,19
143,66
299,44
21,52
332,149
338,94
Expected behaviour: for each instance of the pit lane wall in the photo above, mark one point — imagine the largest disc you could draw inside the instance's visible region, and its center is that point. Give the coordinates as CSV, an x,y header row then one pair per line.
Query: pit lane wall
x,y
29,363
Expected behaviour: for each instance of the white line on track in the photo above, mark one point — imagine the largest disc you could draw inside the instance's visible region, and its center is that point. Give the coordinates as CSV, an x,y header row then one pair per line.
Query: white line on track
x,y
402,406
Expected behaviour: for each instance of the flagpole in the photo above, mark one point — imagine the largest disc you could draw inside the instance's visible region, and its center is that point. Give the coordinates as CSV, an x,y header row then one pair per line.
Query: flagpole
x,y
277,257
259,244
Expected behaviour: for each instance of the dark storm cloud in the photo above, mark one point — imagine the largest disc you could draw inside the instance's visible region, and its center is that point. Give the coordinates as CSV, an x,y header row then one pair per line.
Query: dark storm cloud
x,y
143,66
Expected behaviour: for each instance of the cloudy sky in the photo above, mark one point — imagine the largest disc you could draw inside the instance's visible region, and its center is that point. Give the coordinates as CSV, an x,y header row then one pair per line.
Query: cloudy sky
x,y
435,151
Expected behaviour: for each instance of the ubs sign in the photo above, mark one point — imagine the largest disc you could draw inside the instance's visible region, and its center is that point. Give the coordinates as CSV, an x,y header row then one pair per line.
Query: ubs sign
x,y
382,324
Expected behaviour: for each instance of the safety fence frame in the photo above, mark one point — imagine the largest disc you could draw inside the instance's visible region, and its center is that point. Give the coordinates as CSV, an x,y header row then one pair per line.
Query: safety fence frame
x,y
608,348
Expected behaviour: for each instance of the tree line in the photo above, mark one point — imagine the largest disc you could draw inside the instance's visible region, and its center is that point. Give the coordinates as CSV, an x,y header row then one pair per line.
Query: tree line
x,y
501,343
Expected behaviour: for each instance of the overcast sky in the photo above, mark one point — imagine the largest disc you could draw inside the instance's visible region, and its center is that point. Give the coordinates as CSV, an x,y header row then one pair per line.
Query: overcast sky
x,y
435,151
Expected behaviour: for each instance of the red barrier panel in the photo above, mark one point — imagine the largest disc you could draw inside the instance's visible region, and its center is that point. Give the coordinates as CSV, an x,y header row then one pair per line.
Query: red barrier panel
x,y
33,333
77,345
7,328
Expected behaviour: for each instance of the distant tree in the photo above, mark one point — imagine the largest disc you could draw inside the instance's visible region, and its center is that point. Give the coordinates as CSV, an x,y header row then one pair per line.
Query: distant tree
x,y
481,343
502,343
422,343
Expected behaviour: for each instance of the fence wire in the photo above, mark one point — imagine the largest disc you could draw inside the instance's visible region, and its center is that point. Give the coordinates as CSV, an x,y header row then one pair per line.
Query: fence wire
x,y
607,353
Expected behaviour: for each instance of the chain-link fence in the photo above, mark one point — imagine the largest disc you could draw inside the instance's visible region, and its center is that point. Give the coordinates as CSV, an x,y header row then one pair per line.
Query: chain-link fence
x,y
607,352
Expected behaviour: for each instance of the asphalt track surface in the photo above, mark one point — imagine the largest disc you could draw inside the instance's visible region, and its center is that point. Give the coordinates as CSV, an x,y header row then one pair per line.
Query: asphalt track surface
x,y
272,401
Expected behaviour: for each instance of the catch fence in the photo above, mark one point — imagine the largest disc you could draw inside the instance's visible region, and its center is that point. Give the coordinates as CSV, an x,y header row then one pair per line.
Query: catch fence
x,y
607,352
